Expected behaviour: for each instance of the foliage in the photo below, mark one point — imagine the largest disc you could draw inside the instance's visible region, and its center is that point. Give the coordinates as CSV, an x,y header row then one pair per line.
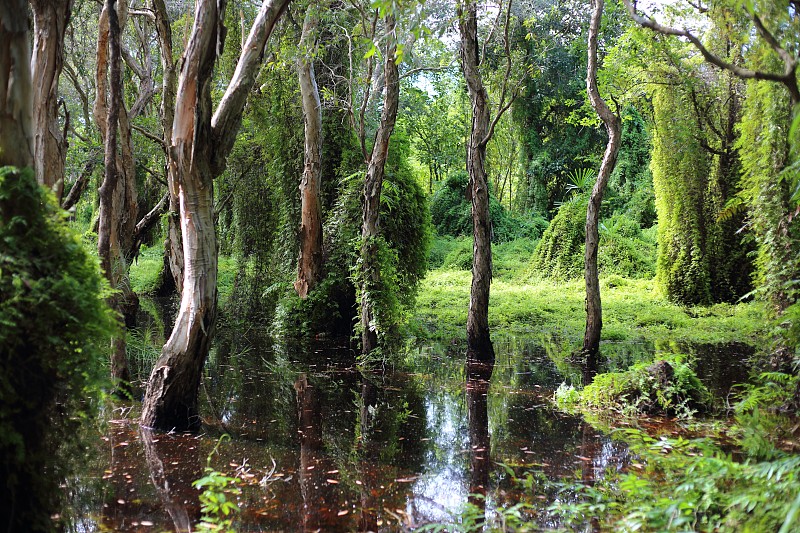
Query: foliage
x,y
688,485
451,214
559,254
217,497
403,250
667,385
764,152
552,109
54,334
630,186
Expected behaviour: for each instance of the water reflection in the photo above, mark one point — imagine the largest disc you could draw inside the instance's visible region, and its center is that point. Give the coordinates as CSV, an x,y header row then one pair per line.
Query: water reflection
x,y
479,442
173,479
320,445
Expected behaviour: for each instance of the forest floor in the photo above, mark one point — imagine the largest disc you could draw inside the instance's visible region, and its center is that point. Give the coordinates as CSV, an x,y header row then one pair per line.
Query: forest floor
x,y
523,304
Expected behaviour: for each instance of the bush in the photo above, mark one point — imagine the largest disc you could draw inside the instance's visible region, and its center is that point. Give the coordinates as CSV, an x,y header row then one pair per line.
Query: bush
x,y
451,214
625,250
667,386
560,252
405,239
54,338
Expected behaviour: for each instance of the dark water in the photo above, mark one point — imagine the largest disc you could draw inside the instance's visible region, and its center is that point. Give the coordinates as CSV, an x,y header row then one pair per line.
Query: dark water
x,y
320,445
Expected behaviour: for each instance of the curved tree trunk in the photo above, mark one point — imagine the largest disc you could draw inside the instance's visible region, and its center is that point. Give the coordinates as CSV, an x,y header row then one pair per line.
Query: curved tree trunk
x,y
50,21
372,190
594,312
199,146
480,351
16,90
309,262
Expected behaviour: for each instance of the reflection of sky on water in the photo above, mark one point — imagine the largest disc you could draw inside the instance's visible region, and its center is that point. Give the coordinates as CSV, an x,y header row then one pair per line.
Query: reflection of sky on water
x,y
444,484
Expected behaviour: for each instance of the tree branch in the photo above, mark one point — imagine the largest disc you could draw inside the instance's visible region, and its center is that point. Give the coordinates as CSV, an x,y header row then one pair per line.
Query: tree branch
x,y
788,78
155,138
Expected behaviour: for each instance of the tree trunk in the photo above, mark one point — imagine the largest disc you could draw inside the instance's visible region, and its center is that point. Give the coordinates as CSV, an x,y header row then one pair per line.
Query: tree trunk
x,y
198,148
373,183
594,312
309,262
50,21
480,351
16,104
173,247
115,208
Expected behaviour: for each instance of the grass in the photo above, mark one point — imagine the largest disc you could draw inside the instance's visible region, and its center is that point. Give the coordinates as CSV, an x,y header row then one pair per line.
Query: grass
x,y
146,270
522,304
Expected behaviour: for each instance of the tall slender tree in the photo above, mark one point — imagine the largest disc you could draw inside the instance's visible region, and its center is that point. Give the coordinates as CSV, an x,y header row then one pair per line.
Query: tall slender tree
x,y
199,147
611,120
118,205
480,351
16,103
50,21
309,262
373,182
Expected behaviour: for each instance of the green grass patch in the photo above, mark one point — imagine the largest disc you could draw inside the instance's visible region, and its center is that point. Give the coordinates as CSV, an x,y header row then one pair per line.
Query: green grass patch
x,y
145,272
632,310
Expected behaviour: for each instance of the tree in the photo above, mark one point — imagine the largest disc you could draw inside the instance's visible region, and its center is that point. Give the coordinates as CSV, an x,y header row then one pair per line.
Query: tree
x,y
16,90
480,352
612,122
199,148
373,182
309,262
50,21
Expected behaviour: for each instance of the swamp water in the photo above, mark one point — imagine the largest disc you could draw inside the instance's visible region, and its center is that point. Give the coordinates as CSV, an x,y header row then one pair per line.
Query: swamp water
x,y
319,445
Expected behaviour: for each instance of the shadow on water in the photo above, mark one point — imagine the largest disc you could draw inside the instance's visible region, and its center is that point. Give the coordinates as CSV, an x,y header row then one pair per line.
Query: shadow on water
x,y
320,445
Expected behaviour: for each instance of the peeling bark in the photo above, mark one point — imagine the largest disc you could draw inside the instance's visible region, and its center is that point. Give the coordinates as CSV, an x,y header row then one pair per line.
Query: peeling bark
x,y
50,21
309,261
114,226
198,147
373,183
173,246
16,104
594,311
480,351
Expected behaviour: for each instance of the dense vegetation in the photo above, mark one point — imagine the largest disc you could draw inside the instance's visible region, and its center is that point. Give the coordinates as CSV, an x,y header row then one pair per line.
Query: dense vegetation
x,y
421,179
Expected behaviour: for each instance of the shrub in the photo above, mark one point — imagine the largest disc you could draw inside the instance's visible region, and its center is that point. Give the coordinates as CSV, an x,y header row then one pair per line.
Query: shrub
x,y
451,214
667,386
54,332
404,242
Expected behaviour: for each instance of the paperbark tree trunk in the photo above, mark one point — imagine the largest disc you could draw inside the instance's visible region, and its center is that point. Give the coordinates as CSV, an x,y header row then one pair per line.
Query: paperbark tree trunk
x,y
373,183
50,21
480,351
117,194
594,312
173,247
309,262
199,146
16,90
